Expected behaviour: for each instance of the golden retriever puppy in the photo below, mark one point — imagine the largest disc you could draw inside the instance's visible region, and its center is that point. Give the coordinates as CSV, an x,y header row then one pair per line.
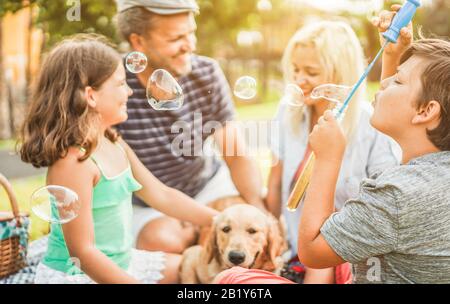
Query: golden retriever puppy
x,y
220,205
241,235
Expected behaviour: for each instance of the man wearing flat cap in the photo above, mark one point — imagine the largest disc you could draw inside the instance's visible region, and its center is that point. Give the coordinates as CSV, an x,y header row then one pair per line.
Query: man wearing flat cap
x,y
164,30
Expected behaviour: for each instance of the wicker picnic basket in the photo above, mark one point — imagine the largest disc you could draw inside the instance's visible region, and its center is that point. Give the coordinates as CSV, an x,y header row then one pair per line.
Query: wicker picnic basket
x,y
13,235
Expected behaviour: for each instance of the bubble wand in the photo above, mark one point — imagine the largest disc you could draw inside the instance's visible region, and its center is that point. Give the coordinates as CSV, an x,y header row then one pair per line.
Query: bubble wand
x,y
401,19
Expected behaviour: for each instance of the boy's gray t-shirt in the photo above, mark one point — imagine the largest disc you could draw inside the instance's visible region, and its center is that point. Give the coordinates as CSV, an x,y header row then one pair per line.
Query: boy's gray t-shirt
x,y
398,229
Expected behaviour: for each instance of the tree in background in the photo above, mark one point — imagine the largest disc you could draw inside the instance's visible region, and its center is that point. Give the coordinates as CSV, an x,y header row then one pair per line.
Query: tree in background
x,y
96,16
436,20
6,117
219,22
51,16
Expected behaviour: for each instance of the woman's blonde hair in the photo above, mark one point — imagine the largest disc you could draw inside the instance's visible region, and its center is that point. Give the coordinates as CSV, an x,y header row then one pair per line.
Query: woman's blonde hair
x,y
59,116
342,59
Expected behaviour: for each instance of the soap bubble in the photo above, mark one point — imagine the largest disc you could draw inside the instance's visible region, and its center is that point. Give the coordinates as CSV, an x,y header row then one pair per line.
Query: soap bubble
x,y
371,15
245,87
331,92
373,10
293,96
163,91
55,204
136,62
336,94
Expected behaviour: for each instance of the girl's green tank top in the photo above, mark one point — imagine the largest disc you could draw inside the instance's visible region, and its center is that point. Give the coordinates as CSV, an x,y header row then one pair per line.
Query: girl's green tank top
x,y
111,213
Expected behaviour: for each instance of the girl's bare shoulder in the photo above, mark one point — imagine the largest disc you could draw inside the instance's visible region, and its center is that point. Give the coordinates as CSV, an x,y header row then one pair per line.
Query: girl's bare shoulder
x,y
123,144
70,165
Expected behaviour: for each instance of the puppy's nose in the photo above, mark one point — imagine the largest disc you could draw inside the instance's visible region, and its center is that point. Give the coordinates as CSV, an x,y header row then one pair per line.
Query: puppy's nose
x,y
236,257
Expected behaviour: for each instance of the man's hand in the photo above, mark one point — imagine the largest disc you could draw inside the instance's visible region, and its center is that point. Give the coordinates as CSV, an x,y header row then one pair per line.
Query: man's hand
x,y
383,21
327,139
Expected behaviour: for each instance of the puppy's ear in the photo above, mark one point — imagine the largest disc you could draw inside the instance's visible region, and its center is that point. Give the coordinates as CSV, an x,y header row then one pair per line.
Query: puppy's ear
x,y
276,244
211,244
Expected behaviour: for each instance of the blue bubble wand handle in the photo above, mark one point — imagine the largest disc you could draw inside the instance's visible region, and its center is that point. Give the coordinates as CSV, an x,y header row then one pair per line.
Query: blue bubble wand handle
x,y
401,19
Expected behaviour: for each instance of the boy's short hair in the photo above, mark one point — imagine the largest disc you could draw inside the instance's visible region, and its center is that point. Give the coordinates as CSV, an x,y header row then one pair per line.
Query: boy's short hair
x,y
435,84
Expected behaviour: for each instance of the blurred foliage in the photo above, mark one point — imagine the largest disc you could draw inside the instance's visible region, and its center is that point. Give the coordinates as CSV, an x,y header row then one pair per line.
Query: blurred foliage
x,y
224,17
12,6
217,16
433,19
436,19
220,21
96,17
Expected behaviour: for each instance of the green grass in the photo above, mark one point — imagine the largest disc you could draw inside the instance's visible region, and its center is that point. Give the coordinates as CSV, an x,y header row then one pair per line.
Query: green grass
x,y
23,188
259,111
7,144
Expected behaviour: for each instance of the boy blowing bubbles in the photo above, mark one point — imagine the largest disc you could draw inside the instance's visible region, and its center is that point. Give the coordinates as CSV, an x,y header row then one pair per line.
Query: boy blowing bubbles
x,y
401,216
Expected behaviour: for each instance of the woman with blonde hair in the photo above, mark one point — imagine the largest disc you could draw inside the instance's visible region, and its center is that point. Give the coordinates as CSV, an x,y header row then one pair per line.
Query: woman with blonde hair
x,y
320,53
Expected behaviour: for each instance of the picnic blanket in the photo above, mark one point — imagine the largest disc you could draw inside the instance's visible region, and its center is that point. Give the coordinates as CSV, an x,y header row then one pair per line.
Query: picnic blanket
x,y
35,253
